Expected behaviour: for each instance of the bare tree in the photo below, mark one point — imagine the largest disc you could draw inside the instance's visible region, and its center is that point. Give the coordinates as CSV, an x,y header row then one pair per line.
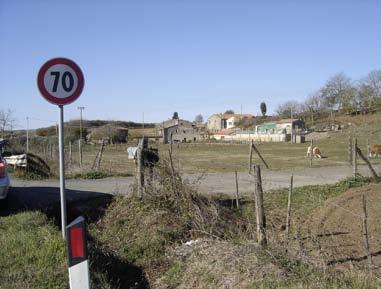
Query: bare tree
x,y
7,121
284,110
339,92
365,97
312,105
373,80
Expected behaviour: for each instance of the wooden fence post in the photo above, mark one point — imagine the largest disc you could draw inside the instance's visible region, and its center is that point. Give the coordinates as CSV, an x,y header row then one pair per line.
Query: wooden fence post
x,y
251,156
172,168
140,166
80,155
311,152
50,148
70,153
365,159
288,220
100,154
350,152
170,142
236,190
253,147
365,230
355,173
260,211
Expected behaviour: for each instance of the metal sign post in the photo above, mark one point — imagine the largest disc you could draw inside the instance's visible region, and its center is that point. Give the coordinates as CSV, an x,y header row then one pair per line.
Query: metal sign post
x,y
61,81
62,170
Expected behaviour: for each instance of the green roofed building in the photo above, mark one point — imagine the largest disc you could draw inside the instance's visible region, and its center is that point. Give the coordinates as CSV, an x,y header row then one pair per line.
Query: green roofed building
x,y
269,127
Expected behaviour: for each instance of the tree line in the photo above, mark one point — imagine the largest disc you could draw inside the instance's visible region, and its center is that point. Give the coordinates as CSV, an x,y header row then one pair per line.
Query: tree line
x,y
339,93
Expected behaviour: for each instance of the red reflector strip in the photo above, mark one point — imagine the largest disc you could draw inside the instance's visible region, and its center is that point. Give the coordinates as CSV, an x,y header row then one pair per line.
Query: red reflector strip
x,y
77,245
3,166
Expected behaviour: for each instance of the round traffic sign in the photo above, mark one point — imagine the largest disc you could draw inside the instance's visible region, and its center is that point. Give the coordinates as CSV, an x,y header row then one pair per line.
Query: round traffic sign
x,y
60,81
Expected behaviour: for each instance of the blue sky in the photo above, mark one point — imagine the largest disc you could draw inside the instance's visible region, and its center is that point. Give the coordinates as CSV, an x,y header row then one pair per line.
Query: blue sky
x,y
193,57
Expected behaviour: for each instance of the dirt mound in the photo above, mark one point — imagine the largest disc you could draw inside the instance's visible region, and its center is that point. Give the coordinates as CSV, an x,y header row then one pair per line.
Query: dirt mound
x,y
334,232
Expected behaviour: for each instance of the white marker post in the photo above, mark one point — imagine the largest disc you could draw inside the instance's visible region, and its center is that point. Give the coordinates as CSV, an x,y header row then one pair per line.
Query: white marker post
x,y
61,82
79,277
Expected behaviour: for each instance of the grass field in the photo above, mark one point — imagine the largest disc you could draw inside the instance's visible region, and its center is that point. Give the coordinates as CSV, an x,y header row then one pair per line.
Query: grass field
x,y
226,157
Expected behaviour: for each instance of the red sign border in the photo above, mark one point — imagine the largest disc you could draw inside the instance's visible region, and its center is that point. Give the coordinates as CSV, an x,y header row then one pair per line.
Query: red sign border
x,y
46,94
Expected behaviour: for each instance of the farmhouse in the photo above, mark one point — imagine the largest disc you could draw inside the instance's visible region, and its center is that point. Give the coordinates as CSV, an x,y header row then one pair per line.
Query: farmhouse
x,y
298,125
179,130
281,126
277,131
220,121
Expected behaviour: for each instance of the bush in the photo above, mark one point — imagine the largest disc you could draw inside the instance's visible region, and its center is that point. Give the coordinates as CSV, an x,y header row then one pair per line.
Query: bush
x,y
111,132
47,131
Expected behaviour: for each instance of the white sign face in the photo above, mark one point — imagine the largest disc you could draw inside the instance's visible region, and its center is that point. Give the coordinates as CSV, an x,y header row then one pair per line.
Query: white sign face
x,y
60,81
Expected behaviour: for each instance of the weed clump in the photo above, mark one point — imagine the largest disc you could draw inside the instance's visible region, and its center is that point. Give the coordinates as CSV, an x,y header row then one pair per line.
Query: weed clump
x,y
142,229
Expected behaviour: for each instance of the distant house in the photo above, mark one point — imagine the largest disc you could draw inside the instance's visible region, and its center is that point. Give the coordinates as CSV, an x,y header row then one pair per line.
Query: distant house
x,y
224,134
264,128
220,121
298,125
179,130
282,126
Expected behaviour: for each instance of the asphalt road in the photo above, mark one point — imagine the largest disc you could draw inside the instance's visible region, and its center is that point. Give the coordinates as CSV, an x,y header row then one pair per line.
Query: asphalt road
x,y
32,195
211,183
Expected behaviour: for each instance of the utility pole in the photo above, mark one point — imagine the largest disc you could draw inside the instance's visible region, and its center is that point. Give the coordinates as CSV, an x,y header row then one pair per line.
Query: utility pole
x,y
27,134
81,108
143,120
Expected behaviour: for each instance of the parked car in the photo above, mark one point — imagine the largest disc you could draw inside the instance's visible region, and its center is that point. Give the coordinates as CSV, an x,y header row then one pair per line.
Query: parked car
x,y
4,178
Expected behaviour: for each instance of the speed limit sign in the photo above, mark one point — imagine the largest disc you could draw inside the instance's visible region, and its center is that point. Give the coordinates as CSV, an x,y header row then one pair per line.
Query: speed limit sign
x,y
60,81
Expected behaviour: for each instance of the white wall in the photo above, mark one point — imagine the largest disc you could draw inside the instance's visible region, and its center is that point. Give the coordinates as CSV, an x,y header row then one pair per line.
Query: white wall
x,y
249,137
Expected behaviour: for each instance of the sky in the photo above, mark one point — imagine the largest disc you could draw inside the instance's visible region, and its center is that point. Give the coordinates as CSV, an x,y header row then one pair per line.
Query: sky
x,y
154,57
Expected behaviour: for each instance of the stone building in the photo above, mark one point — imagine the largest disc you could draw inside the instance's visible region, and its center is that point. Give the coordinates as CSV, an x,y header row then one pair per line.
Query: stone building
x,y
220,121
179,130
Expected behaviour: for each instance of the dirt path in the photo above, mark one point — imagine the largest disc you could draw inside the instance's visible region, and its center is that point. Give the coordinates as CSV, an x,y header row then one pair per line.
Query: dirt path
x,y
212,182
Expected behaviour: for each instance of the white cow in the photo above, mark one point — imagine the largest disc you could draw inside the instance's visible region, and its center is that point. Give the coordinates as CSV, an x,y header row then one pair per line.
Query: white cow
x,y
315,151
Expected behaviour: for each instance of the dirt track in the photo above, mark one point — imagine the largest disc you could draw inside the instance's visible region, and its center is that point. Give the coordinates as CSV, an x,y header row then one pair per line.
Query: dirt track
x,y
213,182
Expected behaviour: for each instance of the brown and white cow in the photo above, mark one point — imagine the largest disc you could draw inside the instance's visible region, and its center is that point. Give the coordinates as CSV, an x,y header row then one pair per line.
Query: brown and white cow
x,y
374,151
315,151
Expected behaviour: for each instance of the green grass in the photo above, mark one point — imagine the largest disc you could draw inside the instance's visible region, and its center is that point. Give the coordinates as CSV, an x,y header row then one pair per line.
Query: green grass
x,y
307,198
32,253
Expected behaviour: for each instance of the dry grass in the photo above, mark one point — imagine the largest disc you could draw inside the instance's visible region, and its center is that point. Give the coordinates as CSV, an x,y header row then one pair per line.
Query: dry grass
x,y
203,157
226,157
337,227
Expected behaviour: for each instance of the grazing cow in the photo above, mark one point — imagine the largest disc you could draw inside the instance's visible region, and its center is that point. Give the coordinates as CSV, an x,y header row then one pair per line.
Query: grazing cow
x,y
374,151
315,151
